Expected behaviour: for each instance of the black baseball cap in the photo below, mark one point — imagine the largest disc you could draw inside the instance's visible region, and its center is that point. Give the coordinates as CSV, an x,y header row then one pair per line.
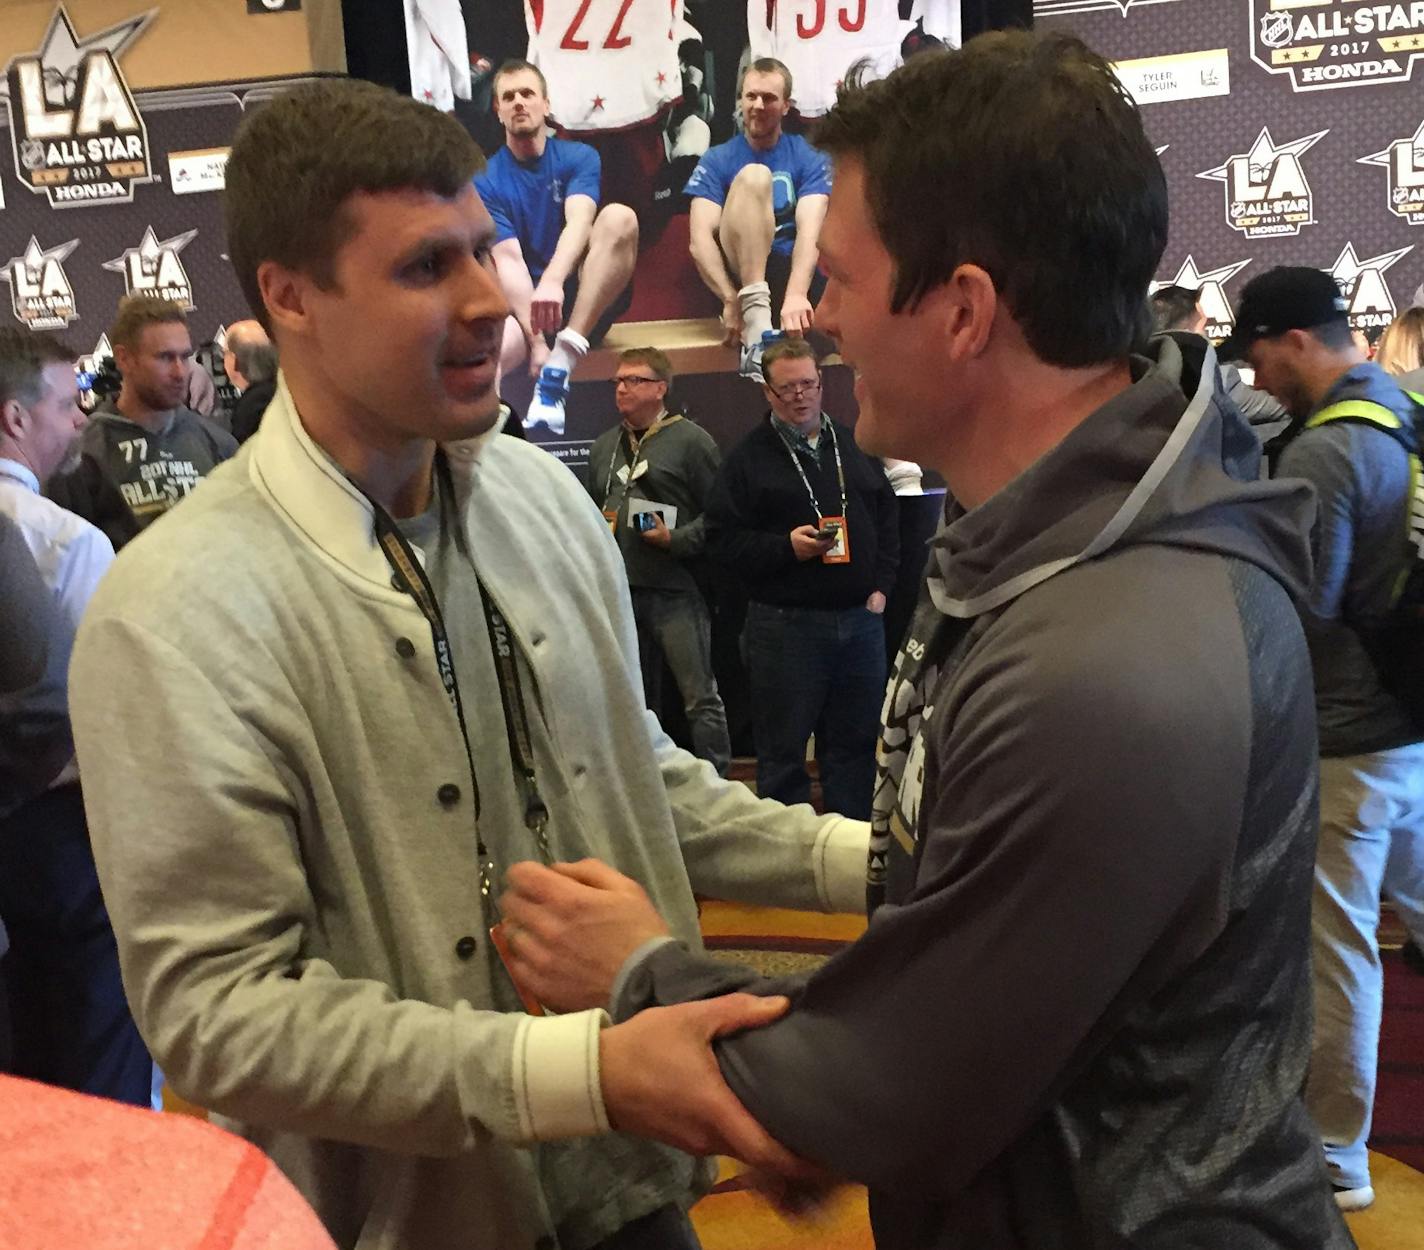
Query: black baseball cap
x,y
1289,297
1173,291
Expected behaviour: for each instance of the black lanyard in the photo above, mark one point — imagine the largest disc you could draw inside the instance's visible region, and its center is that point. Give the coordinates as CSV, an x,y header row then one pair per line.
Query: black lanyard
x,y
828,432
408,574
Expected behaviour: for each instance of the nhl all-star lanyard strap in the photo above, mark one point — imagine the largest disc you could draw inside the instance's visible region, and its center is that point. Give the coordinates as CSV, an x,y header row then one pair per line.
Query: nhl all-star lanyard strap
x,y
829,431
409,575
660,424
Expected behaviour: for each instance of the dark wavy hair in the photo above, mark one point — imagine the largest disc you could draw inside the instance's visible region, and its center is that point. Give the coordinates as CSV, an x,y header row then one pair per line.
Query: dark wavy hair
x,y
1020,153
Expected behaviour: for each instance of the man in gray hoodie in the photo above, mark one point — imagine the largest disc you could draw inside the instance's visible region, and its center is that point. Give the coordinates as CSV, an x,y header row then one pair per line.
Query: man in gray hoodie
x,y
148,442
1081,1017
1349,421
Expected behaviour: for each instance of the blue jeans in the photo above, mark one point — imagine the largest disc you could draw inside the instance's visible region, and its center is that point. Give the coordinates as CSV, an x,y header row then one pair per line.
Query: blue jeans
x,y
1371,825
673,625
71,1021
816,671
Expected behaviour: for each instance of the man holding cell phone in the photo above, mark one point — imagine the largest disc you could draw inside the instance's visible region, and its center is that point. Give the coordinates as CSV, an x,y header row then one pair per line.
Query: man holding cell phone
x,y
651,474
809,524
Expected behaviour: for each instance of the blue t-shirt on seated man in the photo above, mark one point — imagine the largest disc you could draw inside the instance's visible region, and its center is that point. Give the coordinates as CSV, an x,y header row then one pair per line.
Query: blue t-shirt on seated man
x,y
526,198
797,169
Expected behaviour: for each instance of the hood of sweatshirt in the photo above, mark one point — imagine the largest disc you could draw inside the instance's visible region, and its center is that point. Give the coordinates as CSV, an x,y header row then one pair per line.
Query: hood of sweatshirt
x,y
1168,461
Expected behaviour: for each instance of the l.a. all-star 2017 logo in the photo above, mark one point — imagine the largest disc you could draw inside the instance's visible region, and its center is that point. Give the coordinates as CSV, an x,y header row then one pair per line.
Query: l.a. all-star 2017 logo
x,y
1404,158
1267,194
1372,306
1216,308
153,267
76,132
40,293
1337,43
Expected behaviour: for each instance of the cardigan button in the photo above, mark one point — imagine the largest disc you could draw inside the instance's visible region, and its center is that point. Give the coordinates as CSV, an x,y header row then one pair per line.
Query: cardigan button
x,y
465,947
405,648
448,794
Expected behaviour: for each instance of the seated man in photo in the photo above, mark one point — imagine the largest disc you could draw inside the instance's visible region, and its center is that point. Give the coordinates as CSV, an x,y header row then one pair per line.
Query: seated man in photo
x,y
757,205
563,262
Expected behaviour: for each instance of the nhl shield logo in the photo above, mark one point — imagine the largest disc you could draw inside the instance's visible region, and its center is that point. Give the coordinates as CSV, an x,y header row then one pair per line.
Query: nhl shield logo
x,y
1276,30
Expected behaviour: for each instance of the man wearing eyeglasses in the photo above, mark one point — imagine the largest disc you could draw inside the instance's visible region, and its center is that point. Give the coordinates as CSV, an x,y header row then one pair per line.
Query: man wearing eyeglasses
x,y
651,474
809,524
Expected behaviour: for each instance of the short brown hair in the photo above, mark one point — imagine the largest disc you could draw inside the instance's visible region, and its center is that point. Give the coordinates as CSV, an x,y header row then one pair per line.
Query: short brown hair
x,y
1037,168
513,66
24,356
786,349
296,160
655,359
137,312
766,65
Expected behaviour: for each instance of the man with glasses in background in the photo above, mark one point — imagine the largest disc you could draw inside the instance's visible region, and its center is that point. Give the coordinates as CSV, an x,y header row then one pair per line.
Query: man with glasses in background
x,y
651,474
809,524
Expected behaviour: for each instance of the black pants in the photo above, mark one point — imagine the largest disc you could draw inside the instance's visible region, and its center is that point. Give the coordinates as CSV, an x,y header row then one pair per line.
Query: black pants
x,y
69,1018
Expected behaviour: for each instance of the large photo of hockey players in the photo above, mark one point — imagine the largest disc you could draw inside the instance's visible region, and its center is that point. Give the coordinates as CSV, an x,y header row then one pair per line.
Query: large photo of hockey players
x,y
652,85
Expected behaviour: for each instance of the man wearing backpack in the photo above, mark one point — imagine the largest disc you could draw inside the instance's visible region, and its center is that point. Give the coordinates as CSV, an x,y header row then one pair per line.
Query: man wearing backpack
x,y
1351,427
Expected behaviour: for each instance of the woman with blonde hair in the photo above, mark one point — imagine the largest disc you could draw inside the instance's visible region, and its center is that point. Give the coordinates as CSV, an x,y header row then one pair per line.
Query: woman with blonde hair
x,y
1401,348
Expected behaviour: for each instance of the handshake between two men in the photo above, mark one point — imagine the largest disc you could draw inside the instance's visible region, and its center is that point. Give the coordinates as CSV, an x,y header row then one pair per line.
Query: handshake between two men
x,y
568,932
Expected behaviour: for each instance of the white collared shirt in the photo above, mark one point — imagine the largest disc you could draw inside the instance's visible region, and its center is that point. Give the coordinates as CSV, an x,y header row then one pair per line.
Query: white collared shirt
x,y
72,555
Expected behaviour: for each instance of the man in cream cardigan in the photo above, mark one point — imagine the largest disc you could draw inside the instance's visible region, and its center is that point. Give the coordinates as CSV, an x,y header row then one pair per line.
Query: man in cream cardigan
x,y
376,659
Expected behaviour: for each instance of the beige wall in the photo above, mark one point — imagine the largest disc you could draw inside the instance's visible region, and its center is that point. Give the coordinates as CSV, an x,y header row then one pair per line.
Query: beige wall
x,y
192,41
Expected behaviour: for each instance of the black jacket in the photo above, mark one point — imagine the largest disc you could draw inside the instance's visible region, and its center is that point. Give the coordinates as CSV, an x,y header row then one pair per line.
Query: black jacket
x,y
251,404
759,498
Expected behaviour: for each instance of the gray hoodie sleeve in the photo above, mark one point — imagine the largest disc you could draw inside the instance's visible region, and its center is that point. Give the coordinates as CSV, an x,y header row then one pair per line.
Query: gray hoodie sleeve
x,y
1077,831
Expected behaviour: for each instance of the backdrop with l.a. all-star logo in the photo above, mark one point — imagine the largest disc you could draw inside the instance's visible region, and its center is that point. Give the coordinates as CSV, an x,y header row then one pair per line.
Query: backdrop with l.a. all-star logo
x,y
110,172
1291,133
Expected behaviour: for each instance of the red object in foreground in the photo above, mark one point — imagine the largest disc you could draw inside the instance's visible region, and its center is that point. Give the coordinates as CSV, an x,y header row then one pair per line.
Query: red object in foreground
x,y
1398,1129
82,1171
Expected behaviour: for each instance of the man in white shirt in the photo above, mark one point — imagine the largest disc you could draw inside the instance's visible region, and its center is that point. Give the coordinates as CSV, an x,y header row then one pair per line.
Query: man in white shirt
x,y
70,1019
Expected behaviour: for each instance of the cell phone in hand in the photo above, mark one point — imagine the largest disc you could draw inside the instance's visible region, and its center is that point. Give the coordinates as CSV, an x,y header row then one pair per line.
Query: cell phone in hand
x,y
827,531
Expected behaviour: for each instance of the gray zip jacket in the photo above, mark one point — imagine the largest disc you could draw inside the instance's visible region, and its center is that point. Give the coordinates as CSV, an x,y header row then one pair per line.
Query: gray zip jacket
x,y
282,814
1082,1019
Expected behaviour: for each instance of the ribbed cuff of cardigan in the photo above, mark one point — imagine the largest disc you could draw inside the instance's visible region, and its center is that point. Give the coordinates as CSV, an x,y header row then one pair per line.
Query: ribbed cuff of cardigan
x,y
839,856
557,1091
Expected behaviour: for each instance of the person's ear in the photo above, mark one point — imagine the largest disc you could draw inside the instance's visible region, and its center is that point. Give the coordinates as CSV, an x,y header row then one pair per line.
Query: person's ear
x,y
14,417
285,296
966,306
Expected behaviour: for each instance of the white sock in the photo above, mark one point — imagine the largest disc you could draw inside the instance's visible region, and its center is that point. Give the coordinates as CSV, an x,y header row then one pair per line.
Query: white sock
x,y
755,299
569,348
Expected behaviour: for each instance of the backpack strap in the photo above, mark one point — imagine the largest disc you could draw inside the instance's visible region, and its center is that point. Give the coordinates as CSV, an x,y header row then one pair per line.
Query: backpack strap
x,y
1367,412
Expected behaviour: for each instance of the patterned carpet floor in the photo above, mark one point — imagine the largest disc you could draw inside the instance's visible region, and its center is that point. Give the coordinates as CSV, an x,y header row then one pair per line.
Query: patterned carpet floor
x,y
735,1217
